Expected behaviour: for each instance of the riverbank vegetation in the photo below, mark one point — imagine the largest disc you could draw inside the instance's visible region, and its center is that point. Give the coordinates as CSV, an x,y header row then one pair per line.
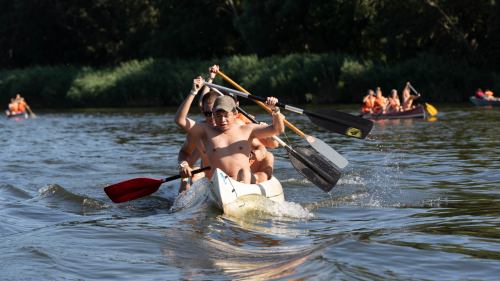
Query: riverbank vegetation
x,y
145,53
296,78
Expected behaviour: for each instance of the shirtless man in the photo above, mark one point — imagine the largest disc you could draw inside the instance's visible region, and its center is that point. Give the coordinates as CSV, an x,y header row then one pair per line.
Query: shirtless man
x,y
407,98
228,144
261,162
193,148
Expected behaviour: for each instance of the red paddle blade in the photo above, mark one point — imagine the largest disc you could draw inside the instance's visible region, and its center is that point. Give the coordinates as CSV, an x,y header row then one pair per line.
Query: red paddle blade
x,y
132,189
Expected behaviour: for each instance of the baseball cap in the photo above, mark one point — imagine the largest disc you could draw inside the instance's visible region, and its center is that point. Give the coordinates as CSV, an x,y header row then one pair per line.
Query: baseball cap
x,y
225,103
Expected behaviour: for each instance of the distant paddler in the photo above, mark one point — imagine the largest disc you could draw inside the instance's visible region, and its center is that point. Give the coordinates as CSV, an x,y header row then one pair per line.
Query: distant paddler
x,y
408,99
228,145
488,95
368,102
23,105
380,103
394,104
18,106
12,107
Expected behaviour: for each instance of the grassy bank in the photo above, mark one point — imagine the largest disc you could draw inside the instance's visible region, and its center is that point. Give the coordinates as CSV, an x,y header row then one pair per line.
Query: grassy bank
x,y
298,78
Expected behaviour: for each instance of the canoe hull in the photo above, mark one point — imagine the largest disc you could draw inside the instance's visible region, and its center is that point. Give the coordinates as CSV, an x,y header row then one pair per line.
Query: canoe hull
x,y
236,198
23,115
418,112
480,102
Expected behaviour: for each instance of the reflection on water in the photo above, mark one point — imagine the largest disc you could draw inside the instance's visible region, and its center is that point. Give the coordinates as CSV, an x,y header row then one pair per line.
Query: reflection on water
x,y
418,201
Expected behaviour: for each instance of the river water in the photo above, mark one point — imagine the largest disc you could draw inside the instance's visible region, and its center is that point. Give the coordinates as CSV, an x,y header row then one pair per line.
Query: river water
x,y
420,200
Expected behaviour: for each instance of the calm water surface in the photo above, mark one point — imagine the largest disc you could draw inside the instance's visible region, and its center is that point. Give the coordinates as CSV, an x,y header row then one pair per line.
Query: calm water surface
x,y
419,200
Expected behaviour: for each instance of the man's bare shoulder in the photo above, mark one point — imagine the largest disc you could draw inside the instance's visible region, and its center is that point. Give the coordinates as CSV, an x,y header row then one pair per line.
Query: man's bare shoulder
x,y
189,138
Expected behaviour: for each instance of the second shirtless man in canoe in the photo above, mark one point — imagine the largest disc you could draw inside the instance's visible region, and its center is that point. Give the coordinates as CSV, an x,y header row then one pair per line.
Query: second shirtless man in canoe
x,y
228,144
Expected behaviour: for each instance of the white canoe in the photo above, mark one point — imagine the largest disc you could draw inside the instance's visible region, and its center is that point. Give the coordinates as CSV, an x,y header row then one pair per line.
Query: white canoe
x,y
236,198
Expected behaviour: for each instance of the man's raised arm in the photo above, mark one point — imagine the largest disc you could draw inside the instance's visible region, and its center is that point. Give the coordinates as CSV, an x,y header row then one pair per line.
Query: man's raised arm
x,y
188,125
276,128
211,76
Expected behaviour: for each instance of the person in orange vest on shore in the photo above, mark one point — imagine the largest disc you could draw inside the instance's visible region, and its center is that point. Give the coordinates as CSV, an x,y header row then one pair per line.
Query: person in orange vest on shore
x,y
368,102
380,102
394,103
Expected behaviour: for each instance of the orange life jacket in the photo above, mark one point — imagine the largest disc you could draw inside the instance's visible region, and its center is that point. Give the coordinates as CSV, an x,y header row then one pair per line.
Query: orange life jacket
x,y
393,104
15,107
247,121
489,93
368,104
243,118
22,106
379,104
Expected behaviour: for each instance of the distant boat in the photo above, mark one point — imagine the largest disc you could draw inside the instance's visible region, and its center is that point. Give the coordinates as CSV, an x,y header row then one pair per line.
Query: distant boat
x,y
481,102
23,115
418,112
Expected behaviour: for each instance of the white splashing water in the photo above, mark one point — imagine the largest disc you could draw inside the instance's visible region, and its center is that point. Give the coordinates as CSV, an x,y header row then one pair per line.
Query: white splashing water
x,y
198,195
46,189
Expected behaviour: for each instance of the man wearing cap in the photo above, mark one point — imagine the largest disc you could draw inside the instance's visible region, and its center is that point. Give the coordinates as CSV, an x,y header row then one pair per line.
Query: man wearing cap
x,y
228,144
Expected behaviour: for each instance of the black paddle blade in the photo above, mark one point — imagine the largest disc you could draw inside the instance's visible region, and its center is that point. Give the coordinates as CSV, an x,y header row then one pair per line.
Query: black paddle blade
x,y
313,167
340,122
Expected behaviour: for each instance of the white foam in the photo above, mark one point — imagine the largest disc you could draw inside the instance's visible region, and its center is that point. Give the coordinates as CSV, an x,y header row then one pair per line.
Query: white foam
x,y
291,210
351,180
46,189
198,194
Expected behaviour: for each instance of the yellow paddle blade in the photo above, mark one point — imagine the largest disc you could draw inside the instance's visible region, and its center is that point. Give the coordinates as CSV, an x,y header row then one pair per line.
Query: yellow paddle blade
x,y
432,110
432,119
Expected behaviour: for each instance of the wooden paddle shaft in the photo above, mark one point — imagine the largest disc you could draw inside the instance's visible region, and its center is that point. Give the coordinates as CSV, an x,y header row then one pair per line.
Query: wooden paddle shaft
x,y
259,103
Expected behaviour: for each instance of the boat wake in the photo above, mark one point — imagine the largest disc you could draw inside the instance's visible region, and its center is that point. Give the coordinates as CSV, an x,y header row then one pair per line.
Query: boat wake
x,y
199,197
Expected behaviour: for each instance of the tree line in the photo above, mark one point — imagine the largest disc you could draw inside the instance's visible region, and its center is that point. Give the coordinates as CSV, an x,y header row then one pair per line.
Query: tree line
x,y
110,32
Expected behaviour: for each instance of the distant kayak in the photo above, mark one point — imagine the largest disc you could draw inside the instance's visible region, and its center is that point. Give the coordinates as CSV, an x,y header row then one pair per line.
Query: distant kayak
x,y
418,112
481,102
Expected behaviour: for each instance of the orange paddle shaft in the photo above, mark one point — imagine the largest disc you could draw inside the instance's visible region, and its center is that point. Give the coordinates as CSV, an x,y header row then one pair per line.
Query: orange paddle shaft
x,y
259,103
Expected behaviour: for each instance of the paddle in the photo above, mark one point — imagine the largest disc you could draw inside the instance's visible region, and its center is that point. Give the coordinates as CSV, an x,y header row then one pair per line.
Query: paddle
x,y
331,120
318,144
29,109
309,164
431,109
139,187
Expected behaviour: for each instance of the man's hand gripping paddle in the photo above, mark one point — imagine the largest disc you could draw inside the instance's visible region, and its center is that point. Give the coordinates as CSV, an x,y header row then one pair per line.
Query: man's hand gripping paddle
x,y
139,187
431,109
